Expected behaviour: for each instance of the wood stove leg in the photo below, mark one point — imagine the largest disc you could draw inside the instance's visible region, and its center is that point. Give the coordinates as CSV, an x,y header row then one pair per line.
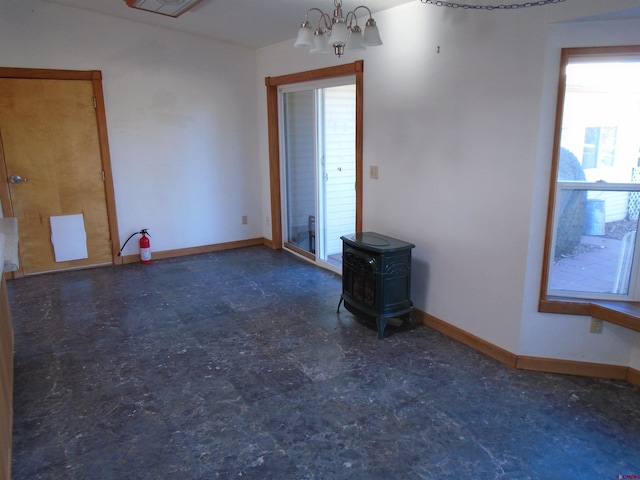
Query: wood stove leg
x,y
339,303
412,321
382,323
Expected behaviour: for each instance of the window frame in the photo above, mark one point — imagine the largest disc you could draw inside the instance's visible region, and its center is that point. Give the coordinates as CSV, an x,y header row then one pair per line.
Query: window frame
x,y
621,312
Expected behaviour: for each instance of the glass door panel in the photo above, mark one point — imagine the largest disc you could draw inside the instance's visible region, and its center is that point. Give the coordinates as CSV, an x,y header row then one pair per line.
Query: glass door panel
x,y
337,193
319,196
300,169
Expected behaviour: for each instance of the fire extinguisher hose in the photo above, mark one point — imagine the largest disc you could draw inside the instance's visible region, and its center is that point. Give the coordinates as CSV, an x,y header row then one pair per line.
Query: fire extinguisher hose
x,y
144,231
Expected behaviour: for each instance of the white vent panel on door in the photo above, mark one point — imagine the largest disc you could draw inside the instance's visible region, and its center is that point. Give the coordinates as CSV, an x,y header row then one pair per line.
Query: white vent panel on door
x,y
68,237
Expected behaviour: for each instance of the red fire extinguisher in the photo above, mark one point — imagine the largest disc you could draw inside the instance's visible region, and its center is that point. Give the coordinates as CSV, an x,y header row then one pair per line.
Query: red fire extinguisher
x,y
145,246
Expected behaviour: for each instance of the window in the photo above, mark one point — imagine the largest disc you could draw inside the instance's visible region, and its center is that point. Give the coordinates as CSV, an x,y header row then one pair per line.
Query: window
x,y
592,251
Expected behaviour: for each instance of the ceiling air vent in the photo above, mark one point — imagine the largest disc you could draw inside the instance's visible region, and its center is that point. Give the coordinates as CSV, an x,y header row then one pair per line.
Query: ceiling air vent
x,y
170,8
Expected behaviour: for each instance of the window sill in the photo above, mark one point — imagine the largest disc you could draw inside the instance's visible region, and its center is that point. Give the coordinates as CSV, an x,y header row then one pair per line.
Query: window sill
x,y
625,314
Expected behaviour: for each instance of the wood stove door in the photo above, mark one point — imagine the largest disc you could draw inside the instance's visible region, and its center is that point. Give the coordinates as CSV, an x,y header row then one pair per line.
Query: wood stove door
x,y
359,278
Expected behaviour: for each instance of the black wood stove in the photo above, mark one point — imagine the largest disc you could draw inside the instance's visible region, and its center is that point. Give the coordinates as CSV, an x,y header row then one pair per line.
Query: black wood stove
x,y
376,279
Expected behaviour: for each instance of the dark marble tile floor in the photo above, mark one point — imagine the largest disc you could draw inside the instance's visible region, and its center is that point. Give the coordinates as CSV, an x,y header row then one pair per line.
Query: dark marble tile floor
x,y
235,365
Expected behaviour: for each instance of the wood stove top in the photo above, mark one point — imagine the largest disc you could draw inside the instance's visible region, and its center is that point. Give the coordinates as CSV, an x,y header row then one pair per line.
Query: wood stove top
x,y
376,242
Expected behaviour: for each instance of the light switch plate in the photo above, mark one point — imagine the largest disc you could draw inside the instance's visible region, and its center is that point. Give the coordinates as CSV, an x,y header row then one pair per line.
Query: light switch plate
x,y
373,172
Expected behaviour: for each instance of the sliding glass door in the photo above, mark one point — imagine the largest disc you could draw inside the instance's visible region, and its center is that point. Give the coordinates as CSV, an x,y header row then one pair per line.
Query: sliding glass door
x,y
319,173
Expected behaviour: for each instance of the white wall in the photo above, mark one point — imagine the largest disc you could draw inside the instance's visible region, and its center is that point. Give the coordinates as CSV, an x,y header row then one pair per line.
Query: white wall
x,y
181,115
452,110
634,359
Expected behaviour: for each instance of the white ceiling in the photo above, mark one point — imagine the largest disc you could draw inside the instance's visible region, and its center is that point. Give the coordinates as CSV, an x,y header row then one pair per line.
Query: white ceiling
x,y
252,23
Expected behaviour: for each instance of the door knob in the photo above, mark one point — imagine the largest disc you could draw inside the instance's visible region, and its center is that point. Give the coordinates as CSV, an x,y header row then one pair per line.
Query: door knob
x,y
15,179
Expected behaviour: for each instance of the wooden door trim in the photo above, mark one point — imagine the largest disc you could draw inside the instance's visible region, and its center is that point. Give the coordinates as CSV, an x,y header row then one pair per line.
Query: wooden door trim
x,y
272,83
47,74
95,77
105,154
5,197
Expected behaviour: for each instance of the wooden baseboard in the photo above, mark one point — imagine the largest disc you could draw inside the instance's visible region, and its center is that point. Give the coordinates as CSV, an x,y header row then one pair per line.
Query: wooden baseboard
x,y
572,367
474,342
251,242
633,376
523,362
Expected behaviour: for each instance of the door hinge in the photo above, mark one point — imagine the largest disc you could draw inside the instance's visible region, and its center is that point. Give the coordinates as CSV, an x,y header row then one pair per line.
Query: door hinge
x,y
103,178
95,103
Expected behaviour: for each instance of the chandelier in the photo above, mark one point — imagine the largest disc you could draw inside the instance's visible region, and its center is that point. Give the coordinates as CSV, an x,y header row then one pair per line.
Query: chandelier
x,y
339,31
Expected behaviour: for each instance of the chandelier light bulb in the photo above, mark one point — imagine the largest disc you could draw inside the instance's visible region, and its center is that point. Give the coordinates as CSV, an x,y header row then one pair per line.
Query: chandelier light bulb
x,y
305,36
339,33
320,44
371,34
355,39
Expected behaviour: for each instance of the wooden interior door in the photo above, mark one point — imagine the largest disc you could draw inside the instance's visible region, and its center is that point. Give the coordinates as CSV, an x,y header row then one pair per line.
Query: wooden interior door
x,y
49,136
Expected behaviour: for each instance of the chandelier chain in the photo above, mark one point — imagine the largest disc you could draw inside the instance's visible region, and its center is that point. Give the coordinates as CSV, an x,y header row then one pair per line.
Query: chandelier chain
x,y
511,6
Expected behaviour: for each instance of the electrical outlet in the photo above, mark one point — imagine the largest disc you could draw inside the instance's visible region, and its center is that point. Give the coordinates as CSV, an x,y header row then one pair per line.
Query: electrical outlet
x,y
373,172
268,220
596,326
244,219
